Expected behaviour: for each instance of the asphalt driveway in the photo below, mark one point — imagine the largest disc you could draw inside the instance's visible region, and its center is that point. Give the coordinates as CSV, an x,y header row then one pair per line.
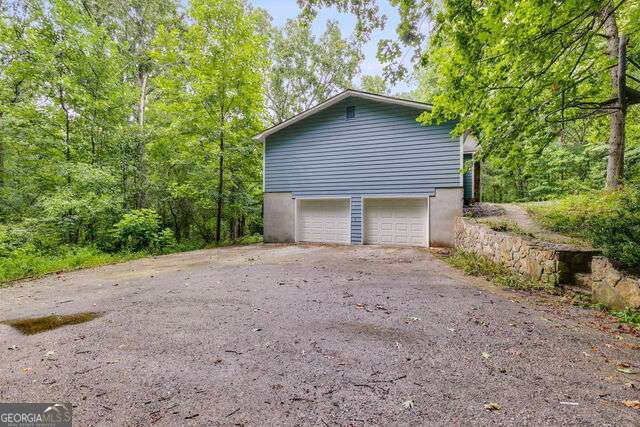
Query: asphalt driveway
x,y
311,335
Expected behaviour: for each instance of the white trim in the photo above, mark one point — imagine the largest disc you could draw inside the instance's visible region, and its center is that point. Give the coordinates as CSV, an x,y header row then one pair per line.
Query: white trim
x,y
305,198
337,98
429,220
321,197
399,196
462,161
264,168
473,178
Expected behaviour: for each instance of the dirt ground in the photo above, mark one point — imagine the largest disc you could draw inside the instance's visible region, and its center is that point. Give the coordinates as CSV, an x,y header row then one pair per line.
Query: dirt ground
x,y
312,335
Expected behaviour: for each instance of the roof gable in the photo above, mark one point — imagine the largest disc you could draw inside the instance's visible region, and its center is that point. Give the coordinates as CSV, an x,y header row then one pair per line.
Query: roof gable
x,y
334,100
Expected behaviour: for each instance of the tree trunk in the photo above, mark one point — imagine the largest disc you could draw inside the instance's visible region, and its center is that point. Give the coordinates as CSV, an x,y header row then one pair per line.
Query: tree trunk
x,y
220,178
67,126
176,226
1,164
142,104
139,174
616,49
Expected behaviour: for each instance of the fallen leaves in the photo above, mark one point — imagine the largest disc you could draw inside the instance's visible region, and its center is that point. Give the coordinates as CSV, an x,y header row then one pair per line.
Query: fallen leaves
x,y
635,404
486,355
625,368
492,406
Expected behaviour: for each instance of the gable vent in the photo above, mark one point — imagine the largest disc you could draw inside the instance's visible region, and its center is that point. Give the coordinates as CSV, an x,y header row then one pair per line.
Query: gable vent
x,y
351,112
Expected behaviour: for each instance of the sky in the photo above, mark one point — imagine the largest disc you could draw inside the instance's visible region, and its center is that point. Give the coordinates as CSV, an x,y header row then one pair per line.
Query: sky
x,y
281,10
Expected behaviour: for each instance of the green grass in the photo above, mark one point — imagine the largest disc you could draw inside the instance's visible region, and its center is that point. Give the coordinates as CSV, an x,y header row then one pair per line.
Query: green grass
x,y
477,265
571,214
22,264
608,220
27,265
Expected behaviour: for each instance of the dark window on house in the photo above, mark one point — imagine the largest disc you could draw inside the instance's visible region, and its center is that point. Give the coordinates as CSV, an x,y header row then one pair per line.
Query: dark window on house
x,y
351,112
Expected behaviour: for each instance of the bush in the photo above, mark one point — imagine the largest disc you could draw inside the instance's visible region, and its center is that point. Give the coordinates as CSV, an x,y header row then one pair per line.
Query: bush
x,y
617,234
23,263
137,230
478,265
11,238
163,241
610,220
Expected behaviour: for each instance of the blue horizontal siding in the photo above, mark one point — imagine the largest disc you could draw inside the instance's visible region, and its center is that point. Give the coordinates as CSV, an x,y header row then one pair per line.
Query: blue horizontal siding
x,y
468,178
382,151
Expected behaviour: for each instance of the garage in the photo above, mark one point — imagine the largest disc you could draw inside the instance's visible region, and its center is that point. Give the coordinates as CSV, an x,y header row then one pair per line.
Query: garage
x,y
396,221
323,220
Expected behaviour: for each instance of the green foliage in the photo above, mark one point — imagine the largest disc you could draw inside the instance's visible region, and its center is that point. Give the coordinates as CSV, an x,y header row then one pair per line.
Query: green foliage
x,y
111,107
374,84
628,315
139,230
305,71
477,265
22,263
609,220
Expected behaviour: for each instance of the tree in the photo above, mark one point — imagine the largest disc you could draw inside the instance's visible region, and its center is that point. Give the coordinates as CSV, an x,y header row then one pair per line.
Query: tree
x,y
305,71
518,71
374,84
213,91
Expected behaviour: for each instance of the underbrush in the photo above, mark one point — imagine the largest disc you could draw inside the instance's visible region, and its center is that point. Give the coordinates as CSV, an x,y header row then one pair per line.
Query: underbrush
x,y
506,225
477,265
480,266
29,262
628,316
22,264
609,220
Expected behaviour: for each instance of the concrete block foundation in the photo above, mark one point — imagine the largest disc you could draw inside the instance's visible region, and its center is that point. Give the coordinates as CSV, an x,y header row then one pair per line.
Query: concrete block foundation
x,y
279,218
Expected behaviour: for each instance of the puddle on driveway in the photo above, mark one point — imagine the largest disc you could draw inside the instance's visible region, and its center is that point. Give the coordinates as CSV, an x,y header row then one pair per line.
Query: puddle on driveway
x,y
35,325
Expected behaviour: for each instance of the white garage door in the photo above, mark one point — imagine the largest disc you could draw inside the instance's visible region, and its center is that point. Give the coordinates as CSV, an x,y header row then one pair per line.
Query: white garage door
x,y
324,221
395,221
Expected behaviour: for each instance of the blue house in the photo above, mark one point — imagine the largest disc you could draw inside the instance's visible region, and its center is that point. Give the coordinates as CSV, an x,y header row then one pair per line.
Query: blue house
x,y
359,169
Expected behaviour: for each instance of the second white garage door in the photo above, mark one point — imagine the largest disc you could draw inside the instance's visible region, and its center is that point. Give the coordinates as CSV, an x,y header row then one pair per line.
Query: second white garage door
x,y
324,221
395,221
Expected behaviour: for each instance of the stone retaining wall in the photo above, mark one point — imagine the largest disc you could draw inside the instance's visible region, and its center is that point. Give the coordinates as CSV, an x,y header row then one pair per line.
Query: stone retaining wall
x,y
549,263
613,287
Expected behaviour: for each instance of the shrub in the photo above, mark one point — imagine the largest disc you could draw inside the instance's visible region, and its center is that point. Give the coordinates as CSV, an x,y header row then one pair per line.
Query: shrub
x,y
21,264
163,241
11,238
137,230
610,220
617,234
478,265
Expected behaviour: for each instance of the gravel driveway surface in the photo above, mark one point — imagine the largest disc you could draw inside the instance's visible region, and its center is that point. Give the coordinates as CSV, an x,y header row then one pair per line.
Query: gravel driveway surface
x,y
292,334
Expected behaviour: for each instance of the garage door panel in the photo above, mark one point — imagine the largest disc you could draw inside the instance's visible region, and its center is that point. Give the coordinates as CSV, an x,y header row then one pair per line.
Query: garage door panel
x,y
395,221
324,221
